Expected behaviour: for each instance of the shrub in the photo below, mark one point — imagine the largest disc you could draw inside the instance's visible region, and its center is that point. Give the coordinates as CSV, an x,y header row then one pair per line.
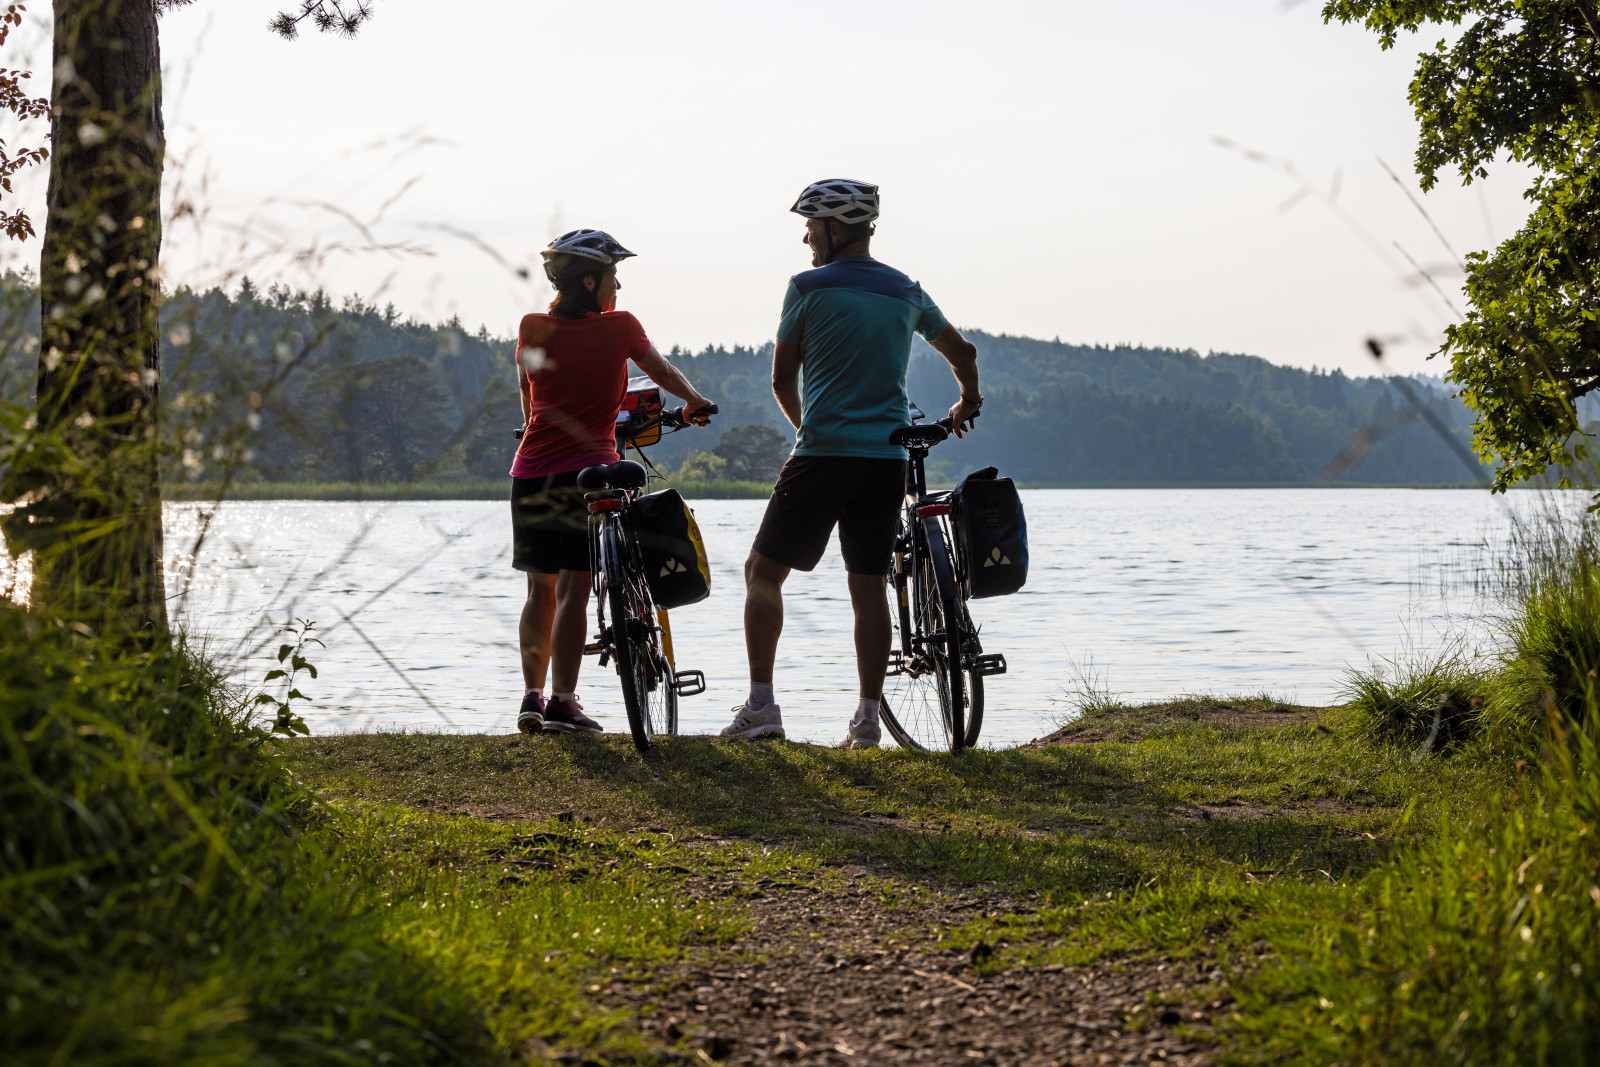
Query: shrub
x,y
164,900
1551,584
1430,701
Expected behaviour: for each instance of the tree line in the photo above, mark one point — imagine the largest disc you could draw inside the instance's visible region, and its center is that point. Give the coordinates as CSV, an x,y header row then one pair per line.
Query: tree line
x,y
285,386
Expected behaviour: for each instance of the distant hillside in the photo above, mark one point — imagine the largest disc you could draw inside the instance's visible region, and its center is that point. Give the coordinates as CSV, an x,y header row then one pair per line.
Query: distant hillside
x,y
1061,414
348,392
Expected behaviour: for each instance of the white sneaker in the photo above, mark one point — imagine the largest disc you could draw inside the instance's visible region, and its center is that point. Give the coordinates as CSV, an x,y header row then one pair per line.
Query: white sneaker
x,y
863,735
765,722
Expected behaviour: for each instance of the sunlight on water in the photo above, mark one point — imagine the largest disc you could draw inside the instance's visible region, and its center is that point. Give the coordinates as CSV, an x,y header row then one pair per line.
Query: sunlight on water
x,y
1164,592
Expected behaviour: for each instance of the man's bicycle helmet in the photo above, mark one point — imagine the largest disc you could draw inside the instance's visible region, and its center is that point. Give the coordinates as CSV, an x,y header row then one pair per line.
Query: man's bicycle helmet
x,y
838,198
586,244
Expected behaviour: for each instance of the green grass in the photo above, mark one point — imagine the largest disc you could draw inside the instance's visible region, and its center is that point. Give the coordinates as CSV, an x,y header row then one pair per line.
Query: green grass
x,y
1186,806
1433,701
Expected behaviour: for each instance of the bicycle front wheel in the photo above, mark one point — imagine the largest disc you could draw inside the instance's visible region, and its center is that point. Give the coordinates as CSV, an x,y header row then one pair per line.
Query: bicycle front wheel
x,y
647,690
926,705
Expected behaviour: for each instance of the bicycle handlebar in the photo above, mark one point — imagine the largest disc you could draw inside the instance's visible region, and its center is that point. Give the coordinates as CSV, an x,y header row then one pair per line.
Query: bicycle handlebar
x,y
673,419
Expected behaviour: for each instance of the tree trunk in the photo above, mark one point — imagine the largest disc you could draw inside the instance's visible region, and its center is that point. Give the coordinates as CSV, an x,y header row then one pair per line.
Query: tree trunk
x,y
90,484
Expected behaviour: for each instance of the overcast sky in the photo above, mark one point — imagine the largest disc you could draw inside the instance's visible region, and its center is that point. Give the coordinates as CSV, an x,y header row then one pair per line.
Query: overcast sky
x,y
1047,168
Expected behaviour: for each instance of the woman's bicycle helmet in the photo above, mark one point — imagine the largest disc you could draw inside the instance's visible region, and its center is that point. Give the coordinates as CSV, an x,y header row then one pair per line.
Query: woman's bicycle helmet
x,y
838,198
587,244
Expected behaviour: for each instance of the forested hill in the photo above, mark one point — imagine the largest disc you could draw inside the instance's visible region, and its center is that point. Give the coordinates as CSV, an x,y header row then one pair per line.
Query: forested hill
x,y
1063,414
316,390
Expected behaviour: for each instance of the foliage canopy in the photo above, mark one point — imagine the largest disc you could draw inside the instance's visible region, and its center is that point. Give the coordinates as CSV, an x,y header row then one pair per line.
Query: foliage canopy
x,y
1521,80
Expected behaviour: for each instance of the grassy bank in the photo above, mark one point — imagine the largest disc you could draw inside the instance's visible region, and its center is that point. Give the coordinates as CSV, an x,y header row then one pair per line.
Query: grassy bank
x,y
1194,837
477,489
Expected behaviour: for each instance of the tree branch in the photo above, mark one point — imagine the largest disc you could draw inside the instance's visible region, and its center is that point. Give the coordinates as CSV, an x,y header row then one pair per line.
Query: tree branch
x,y
343,17
1588,16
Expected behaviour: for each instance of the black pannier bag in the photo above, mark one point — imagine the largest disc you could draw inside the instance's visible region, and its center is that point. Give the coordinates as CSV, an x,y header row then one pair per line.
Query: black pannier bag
x,y
675,564
992,532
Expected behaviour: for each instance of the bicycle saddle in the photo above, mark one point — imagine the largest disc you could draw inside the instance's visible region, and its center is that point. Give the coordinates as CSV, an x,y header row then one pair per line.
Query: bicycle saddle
x,y
919,435
624,475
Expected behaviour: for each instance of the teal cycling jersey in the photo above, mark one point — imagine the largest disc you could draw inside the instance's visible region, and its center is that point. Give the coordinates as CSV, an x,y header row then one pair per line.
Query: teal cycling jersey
x,y
852,321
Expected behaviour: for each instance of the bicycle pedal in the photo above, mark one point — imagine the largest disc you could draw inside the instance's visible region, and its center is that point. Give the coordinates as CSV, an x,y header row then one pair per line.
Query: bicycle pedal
x,y
993,663
689,683
897,663
593,648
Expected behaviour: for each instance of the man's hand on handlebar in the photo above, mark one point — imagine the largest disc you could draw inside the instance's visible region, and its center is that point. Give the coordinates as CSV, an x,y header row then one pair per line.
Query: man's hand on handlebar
x,y
963,414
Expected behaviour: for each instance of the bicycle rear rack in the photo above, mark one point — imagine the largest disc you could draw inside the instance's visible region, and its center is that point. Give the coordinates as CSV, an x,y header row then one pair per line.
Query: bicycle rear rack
x,y
993,663
689,683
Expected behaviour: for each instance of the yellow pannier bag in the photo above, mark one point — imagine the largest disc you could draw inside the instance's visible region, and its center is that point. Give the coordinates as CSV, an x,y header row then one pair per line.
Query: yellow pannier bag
x,y
675,563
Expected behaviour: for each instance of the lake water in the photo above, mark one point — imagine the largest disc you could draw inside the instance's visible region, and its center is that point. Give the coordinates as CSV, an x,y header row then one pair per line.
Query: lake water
x,y
1152,593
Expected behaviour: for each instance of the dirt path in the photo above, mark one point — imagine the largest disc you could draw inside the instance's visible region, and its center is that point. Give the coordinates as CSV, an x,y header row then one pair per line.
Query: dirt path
x,y
813,983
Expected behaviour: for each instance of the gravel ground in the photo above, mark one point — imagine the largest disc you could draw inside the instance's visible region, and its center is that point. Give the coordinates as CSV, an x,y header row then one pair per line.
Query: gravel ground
x,y
829,976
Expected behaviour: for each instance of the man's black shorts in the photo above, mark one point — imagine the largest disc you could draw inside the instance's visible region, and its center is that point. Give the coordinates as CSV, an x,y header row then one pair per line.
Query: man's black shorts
x,y
861,495
549,524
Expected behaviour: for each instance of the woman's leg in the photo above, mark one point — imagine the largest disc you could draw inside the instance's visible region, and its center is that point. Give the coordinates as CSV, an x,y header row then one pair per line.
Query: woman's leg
x,y
571,608
534,630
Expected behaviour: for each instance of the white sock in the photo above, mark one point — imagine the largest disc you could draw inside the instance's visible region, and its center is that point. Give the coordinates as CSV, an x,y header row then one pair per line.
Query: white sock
x,y
563,696
535,693
866,711
760,696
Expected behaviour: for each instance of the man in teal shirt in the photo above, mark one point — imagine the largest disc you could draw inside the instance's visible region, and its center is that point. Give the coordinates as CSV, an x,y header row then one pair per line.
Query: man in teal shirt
x,y
847,324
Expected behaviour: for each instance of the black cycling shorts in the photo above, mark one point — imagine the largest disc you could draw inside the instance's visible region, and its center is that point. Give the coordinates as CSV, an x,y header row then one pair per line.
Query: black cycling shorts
x,y
861,495
549,524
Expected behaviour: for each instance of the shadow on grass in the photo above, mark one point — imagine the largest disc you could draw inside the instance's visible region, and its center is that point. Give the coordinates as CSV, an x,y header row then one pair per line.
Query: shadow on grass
x,y
1065,820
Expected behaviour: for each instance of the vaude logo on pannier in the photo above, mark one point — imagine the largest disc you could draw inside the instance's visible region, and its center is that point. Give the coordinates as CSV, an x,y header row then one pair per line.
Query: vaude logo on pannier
x,y
672,566
997,558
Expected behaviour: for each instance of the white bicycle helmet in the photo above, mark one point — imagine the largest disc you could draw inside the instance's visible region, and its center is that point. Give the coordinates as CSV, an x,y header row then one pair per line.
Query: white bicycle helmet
x,y
587,244
838,198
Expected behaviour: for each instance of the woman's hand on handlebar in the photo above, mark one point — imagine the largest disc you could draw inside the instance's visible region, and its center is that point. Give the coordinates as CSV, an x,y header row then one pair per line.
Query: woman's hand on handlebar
x,y
698,411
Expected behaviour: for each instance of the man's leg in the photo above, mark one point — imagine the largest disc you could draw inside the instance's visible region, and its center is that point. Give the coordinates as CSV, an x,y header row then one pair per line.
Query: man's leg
x,y
570,607
874,632
763,614
533,631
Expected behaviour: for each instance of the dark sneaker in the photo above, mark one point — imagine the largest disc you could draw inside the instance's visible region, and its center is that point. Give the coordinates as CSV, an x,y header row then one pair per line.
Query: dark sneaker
x,y
530,720
565,717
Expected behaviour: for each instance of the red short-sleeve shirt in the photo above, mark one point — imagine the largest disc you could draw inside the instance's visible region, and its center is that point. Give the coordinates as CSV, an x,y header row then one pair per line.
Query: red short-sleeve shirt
x,y
575,393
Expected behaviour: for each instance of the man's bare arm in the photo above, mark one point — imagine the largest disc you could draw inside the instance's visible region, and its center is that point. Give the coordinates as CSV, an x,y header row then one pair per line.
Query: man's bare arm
x,y
962,355
672,380
786,380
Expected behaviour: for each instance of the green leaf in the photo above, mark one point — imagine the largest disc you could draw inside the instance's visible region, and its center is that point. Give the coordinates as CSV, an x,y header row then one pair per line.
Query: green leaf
x,y
295,694
275,674
283,652
311,670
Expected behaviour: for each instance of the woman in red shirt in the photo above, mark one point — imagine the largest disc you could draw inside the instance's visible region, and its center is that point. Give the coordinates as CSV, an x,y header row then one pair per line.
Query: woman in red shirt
x,y
572,371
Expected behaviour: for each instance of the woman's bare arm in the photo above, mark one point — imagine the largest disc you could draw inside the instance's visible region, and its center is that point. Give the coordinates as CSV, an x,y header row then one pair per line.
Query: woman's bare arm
x,y
672,380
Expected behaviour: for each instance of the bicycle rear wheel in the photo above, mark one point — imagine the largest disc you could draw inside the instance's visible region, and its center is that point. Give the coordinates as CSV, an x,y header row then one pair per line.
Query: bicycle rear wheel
x,y
927,705
647,690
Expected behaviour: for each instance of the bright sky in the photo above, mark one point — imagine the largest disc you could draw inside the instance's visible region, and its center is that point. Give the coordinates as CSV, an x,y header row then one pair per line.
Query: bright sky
x,y
1047,168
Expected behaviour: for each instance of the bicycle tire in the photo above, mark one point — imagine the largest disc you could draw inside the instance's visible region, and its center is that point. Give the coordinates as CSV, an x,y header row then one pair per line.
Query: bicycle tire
x,y
646,678
974,676
931,692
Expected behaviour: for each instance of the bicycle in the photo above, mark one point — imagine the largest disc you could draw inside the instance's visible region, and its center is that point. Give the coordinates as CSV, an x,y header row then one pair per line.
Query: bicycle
x,y
638,637
936,674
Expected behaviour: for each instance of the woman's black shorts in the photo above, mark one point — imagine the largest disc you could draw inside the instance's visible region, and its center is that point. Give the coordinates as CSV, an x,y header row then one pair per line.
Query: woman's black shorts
x,y
860,495
549,524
